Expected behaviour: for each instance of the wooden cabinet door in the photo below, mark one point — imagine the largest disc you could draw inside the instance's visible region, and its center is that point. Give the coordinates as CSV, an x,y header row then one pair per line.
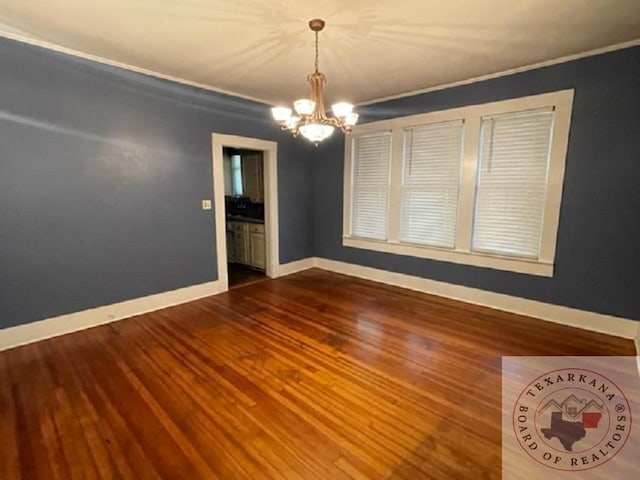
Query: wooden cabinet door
x,y
257,250
241,242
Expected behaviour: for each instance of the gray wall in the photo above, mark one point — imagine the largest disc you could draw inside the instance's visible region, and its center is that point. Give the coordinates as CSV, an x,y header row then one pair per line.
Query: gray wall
x,y
598,250
101,175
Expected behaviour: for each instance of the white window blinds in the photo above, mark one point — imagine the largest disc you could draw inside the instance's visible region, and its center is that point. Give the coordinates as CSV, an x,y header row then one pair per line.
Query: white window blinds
x,y
371,158
511,183
430,183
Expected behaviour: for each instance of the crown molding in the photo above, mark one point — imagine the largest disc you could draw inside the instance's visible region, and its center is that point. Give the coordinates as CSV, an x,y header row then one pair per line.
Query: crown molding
x,y
524,68
124,66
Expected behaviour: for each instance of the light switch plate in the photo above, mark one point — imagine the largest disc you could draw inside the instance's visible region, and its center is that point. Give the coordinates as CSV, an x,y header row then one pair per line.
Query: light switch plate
x,y
206,204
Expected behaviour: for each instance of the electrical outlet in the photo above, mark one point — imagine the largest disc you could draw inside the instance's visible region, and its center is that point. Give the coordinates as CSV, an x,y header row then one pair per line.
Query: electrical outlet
x,y
206,204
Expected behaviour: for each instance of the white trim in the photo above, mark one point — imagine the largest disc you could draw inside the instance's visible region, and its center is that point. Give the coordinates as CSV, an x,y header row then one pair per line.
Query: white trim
x,y
475,259
396,168
572,317
637,342
503,73
346,185
561,101
219,213
499,107
610,325
468,175
293,267
125,66
270,162
94,58
52,327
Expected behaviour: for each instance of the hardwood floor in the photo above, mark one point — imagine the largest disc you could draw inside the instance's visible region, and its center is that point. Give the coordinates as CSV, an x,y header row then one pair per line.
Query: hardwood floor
x,y
240,275
315,375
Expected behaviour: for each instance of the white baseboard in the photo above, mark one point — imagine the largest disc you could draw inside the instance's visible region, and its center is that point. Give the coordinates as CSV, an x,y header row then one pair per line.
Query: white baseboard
x,y
293,267
620,327
52,327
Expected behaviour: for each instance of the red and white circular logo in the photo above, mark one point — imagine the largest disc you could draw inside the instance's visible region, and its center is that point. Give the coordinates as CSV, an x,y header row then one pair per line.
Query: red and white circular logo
x,y
572,419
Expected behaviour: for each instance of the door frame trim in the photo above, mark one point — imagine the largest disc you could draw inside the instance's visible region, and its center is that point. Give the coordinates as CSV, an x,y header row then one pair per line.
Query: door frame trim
x,y
270,169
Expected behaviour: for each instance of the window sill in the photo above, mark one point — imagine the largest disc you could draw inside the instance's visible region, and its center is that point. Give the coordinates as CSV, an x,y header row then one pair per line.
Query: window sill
x,y
497,262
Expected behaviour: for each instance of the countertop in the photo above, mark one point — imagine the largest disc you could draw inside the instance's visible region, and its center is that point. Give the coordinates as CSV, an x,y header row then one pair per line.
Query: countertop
x,y
240,218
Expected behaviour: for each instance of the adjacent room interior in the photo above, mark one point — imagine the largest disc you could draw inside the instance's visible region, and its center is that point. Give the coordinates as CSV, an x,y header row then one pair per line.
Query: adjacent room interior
x,y
244,215
247,240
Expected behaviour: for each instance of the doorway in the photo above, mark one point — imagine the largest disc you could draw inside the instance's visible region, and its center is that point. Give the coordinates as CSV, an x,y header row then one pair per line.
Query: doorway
x,y
244,215
245,199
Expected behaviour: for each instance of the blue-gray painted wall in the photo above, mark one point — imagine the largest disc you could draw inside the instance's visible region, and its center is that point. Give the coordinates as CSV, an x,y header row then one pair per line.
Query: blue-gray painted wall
x,y
597,264
101,175
102,171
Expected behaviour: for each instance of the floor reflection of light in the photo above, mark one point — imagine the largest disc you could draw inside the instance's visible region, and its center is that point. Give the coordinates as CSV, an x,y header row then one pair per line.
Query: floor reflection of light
x,y
369,329
418,346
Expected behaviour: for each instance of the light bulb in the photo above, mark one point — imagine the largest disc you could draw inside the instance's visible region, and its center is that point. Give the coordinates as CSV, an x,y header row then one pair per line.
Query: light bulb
x,y
304,106
281,114
292,122
342,109
351,119
316,132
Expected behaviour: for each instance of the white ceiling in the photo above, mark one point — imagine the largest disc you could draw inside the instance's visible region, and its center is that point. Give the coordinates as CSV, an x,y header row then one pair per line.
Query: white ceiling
x,y
369,49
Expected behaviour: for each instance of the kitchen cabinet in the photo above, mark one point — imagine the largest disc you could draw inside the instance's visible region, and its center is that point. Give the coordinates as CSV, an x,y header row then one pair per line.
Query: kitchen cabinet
x,y
257,251
240,242
253,176
246,244
231,251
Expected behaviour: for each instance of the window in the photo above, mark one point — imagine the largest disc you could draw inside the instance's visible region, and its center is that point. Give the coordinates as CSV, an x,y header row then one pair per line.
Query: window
x,y
430,183
370,176
478,185
512,182
236,175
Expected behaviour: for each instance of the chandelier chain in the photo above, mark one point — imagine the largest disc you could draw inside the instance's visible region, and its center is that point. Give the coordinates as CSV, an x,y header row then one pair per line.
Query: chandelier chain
x,y
316,52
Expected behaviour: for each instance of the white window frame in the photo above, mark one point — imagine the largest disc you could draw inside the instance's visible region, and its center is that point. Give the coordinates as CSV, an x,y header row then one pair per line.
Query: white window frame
x,y
561,101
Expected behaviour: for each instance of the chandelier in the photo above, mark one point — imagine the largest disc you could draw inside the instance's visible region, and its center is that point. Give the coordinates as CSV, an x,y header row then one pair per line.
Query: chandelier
x,y
310,118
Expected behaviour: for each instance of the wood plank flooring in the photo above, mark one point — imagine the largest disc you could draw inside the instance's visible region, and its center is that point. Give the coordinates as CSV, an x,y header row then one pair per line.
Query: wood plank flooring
x,y
240,275
312,376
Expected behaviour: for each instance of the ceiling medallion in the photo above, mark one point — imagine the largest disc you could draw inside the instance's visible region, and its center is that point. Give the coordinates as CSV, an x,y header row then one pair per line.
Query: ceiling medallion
x,y
310,119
